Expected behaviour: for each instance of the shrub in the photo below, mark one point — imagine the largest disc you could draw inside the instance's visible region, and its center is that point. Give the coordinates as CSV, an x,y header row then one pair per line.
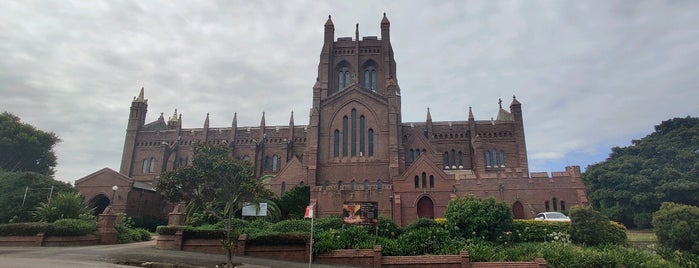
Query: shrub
x,y
677,226
328,223
24,228
425,240
420,223
274,238
388,229
325,241
66,205
536,231
354,237
288,226
590,227
472,217
72,227
170,229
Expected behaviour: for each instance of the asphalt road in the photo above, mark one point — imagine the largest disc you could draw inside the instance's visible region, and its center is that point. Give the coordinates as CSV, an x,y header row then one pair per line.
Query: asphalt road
x,y
118,255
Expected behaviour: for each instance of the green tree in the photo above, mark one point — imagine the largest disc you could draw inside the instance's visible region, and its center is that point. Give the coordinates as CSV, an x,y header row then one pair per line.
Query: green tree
x,y
592,228
25,148
293,203
662,167
66,205
473,217
13,186
216,183
677,226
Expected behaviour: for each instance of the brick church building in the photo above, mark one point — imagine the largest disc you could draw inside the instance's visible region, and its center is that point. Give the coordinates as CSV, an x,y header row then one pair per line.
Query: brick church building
x,y
357,148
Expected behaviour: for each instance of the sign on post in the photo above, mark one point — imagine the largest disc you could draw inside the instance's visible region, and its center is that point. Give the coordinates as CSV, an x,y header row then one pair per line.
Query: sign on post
x,y
360,213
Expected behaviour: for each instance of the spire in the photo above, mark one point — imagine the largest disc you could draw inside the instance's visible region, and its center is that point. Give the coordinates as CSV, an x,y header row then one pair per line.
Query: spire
x,y
174,115
470,114
329,22
514,101
162,117
356,33
500,102
329,30
385,28
429,116
291,120
262,122
235,120
206,121
140,97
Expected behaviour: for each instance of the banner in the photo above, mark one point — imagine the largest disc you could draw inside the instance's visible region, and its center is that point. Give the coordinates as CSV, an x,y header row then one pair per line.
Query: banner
x,y
360,213
309,212
250,209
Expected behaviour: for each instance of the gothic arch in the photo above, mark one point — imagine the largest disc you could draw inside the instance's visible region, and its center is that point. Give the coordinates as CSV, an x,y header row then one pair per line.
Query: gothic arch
x,y
99,203
518,210
425,207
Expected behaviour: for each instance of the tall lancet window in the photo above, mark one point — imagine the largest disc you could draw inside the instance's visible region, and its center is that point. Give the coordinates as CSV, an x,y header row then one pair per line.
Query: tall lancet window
x,y
362,135
336,143
371,142
345,133
343,78
370,78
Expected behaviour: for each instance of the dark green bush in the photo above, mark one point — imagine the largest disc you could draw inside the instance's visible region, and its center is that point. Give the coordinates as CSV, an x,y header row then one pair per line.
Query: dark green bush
x,y
202,232
72,227
170,229
24,228
420,223
472,217
424,241
592,228
149,222
288,226
325,224
354,237
677,226
325,241
535,231
387,228
276,239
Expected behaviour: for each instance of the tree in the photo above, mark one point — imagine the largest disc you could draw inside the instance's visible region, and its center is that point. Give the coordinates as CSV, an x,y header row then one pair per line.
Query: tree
x,y
479,218
25,148
216,183
592,228
677,226
38,188
662,167
293,203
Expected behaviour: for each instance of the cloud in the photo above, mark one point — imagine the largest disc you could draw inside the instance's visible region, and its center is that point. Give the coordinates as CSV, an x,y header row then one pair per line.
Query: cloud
x,y
590,75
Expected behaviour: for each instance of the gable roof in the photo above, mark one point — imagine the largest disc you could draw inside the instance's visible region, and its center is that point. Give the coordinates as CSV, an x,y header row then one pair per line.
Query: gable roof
x,y
109,171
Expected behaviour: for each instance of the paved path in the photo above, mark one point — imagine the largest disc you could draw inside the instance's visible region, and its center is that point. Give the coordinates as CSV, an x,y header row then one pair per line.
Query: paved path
x,y
110,255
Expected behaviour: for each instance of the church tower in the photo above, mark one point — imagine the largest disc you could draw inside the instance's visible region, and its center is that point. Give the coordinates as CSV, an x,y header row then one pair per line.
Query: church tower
x,y
137,119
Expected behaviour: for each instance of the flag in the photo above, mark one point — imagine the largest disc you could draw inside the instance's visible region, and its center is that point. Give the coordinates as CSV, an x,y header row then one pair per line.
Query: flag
x,y
309,212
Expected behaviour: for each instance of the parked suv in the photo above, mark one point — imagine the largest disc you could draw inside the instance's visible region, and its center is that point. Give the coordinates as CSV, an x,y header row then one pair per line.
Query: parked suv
x,y
551,216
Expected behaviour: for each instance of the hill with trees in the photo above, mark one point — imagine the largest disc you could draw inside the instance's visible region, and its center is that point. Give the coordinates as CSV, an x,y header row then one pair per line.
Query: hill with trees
x,y
662,167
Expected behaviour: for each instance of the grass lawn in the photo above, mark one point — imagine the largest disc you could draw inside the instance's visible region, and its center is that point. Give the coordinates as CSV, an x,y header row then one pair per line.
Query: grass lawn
x,y
647,236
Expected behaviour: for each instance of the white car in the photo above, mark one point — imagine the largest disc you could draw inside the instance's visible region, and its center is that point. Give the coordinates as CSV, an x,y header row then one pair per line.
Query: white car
x,y
551,216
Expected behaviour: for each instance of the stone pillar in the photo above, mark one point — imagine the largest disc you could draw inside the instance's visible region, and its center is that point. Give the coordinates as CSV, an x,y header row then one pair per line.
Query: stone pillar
x,y
176,217
465,259
105,226
378,255
240,245
540,262
40,239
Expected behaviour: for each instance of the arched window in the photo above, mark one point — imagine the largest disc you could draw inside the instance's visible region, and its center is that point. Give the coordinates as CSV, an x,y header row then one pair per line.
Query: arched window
x,y
412,155
181,163
345,133
275,162
361,135
354,132
152,165
417,153
495,158
453,157
446,159
283,188
546,205
370,78
417,181
555,204
145,167
343,78
352,185
336,143
246,158
563,205
461,159
371,142
424,180
431,181
502,158
366,184
339,185
266,163
487,159
327,183
379,184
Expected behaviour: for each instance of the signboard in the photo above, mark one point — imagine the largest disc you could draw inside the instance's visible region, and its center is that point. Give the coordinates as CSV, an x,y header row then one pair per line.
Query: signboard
x,y
250,209
309,212
360,213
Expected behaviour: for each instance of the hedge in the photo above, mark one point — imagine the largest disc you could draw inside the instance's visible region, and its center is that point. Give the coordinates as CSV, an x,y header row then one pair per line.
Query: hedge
x,y
63,227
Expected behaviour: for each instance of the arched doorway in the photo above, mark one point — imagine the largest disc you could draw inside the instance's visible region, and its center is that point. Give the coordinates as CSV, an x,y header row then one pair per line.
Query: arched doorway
x,y
425,208
518,210
99,203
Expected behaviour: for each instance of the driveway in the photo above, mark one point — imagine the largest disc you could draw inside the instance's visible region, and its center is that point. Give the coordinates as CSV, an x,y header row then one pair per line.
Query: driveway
x,y
117,255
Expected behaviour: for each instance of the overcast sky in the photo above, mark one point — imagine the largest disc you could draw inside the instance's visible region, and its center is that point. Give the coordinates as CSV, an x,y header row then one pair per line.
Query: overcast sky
x,y
590,74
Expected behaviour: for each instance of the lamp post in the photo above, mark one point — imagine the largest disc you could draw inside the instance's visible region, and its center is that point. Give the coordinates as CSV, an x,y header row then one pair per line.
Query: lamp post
x,y
114,189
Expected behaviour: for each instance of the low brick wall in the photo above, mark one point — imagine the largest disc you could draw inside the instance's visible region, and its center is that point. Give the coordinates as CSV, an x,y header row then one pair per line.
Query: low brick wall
x,y
346,257
40,240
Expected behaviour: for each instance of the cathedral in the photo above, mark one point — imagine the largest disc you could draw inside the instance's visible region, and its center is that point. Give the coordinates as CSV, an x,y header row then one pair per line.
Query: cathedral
x,y
356,148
